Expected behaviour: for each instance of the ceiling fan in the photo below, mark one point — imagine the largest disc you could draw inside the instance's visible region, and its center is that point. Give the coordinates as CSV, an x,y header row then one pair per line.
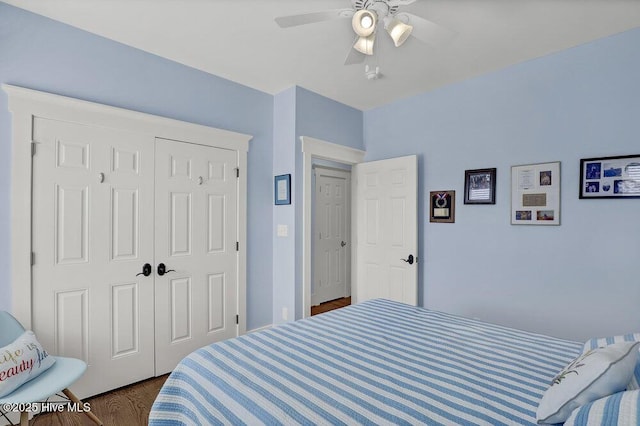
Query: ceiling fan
x,y
367,16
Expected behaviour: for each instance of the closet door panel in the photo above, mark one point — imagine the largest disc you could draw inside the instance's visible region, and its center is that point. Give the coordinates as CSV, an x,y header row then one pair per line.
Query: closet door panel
x,y
92,232
196,228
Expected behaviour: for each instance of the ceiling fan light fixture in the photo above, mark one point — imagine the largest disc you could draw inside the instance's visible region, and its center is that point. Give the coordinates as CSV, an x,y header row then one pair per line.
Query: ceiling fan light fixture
x,y
365,44
364,22
398,30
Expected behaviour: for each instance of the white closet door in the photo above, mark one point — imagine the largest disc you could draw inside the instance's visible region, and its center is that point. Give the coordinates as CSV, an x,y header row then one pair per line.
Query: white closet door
x,y
196,229
92,233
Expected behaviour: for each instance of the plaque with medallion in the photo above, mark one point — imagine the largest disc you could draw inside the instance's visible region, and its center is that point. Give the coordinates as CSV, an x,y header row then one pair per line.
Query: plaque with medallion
x,y
442,206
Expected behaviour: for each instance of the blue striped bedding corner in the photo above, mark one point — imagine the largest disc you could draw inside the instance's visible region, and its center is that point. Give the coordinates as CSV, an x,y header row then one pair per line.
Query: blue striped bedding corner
x,y
378,362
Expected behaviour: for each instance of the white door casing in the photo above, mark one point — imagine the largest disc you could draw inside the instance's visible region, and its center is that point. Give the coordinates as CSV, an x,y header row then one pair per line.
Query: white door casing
x,y
196,221
386,208
332,236
314,148
93,200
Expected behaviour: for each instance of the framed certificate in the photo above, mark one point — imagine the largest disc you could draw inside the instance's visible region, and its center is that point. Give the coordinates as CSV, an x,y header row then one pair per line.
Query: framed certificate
x,y
535,194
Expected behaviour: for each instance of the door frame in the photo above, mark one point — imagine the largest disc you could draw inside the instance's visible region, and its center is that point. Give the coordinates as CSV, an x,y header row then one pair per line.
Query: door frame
x,y
316,148
339,174
25,104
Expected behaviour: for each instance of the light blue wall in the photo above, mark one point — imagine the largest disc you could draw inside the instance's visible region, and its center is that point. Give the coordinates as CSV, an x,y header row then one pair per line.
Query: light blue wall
x,y
576,280
325,119
300,112
284,248
46,55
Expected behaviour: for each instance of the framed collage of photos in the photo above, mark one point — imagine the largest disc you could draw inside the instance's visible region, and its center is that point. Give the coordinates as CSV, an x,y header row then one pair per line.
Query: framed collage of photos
x,y
535,194
610,177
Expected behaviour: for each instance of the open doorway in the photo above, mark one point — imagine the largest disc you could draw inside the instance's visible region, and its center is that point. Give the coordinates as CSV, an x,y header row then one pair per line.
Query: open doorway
x,y
312,151
331,241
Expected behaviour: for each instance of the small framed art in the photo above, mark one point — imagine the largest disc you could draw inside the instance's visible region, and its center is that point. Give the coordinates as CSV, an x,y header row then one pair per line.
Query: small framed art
x,y
610,177
442,206
480,186
282,189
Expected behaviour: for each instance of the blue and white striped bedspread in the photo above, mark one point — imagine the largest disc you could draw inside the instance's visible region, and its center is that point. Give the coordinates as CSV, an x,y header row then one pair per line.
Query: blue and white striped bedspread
x,y
379,362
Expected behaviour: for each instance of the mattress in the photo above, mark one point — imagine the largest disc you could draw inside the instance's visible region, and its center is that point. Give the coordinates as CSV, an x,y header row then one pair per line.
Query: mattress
x,y
378,362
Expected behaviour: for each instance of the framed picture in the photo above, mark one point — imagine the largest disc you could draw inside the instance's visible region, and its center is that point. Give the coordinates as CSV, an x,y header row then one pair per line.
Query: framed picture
x,y
442,206
282,189
610,177
535,194
480,186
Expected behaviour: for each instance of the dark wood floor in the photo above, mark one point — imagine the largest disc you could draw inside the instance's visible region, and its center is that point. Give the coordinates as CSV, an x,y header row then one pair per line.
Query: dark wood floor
x,y
129,406
330,306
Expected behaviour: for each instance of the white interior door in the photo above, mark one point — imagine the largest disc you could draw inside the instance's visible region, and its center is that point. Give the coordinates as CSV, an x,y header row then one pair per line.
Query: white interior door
x,y
387,230
332,248
196,229
105,203
92,233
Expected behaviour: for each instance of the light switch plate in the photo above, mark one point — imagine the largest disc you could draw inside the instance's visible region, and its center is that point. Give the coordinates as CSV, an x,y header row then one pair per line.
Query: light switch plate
x,y
283,231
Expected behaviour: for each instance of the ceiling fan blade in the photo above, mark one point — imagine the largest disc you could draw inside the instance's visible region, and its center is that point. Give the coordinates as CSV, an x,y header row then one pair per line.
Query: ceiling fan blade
x,y
427,31
354,57
393,3
310,18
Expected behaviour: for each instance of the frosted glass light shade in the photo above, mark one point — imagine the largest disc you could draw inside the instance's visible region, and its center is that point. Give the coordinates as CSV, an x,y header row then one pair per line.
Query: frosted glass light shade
x,y
364,22
365,44
399,31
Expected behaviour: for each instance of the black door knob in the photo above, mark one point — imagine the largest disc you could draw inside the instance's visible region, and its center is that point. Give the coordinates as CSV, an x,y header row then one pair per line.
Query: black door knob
x,y
146,270
409,259
162,269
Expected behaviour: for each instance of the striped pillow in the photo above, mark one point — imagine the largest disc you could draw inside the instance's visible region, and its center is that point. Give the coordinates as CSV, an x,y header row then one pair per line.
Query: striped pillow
x,y
619,409
606,341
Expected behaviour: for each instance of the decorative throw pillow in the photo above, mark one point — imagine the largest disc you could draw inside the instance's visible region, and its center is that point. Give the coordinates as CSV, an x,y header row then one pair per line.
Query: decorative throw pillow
x,y
605,341
619,409
593,375
21,361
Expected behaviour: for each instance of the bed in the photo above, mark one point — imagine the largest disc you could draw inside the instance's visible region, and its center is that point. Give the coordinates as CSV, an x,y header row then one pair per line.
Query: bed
x,y
378,362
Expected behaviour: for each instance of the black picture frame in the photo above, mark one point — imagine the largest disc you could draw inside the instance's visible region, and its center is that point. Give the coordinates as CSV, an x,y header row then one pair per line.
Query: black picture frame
x,y
442,206
480,186
610,177
282,189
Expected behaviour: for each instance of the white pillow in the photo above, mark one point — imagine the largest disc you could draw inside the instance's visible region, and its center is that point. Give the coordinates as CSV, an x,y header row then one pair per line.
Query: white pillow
x,y
21,361
593,375
606,341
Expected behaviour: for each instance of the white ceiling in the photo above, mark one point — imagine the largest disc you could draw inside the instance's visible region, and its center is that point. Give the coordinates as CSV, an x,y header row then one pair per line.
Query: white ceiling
x,y
239,40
